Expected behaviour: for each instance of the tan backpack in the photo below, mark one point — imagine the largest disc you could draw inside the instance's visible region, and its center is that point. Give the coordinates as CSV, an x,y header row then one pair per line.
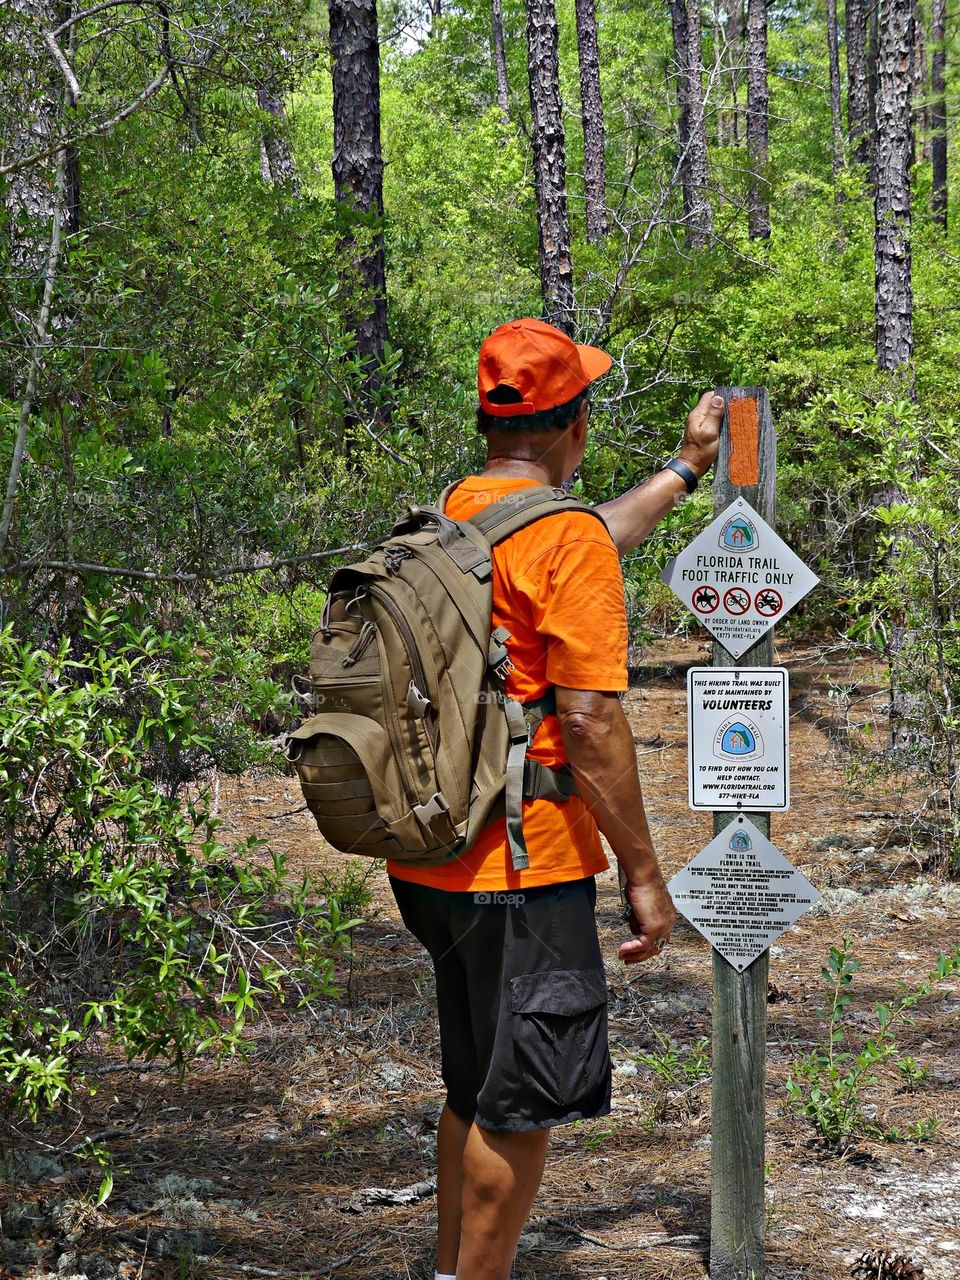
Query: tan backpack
x,y
413,746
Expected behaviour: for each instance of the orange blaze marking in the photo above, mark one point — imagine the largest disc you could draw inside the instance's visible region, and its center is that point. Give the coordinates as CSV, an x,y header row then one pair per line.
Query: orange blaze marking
x,y
743,420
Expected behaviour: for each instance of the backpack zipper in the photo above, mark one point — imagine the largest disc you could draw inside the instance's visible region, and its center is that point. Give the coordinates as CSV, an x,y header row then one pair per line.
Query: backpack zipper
x,y
416,666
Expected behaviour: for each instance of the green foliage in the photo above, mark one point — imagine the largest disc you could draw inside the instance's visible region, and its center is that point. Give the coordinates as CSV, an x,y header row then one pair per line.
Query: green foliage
x,y
125,918
829,1084
675,1064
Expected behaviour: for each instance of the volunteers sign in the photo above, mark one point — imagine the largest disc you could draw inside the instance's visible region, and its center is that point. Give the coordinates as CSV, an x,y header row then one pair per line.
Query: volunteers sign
x,y
738,736
738,577
741,893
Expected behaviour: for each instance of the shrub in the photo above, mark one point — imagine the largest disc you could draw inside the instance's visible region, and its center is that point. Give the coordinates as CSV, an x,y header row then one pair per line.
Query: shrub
x,y
124,915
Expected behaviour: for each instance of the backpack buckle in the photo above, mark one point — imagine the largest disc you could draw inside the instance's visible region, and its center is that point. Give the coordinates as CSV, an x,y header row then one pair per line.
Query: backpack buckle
x,y
498,656
432,808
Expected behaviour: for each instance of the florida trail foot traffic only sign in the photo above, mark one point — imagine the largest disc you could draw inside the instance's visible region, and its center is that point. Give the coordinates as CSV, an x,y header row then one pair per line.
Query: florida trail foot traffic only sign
x,y
738,577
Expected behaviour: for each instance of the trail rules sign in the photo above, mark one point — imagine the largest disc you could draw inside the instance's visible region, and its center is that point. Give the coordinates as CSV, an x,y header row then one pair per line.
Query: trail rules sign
x,y
738,738
741,893
738,577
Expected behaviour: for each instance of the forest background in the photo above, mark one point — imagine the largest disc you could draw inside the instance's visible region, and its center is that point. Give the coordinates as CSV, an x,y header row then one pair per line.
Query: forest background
x,y
250,252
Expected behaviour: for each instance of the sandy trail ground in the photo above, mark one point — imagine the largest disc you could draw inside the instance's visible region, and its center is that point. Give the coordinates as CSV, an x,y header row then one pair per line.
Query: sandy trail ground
x,y
264,1168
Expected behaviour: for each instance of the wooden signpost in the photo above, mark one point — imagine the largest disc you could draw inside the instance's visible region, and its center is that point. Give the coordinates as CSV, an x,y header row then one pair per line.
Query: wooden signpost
x,y
738,577
746,467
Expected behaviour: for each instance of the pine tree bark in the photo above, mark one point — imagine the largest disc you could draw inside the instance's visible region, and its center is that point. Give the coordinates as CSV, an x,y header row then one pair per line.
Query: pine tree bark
x,y
758,110
873,43
277,165
694,166
938,110
591,103
858,106
921,111
33,98
702,214
894,287
836,107
500,63
736,29
549,163
681,55
358,168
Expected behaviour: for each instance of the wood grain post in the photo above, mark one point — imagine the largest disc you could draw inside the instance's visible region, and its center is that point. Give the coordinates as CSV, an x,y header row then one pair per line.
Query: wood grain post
x,y
747,468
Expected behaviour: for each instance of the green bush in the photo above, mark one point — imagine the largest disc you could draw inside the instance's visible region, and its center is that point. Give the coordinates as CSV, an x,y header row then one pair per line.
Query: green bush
x,y
124,915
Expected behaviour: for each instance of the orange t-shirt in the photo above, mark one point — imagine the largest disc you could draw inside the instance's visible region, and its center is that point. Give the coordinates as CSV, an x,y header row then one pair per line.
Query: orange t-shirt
x,y
558,590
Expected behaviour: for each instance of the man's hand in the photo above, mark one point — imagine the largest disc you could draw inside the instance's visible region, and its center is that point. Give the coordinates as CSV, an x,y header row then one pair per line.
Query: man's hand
x,y
701,438
652,916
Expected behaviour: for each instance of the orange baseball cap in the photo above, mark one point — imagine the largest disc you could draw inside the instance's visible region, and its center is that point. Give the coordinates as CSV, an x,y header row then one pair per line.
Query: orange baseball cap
x,y
540,362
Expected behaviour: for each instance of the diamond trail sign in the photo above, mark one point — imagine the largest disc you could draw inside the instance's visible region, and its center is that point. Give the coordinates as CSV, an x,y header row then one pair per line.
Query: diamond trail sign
x,y
738,577
741,893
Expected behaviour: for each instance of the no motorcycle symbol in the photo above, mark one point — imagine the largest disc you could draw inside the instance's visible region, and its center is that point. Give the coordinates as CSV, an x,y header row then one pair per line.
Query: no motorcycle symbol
x,y
706,599
768,603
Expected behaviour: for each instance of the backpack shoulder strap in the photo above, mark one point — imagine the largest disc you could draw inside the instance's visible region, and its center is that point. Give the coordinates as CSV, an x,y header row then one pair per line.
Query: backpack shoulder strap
x,y
501,519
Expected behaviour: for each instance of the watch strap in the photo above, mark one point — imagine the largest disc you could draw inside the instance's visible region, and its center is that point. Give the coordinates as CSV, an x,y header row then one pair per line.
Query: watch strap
x,y
686,473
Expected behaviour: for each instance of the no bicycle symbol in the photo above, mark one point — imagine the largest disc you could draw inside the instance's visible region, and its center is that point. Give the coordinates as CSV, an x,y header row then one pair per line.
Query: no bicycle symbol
x,y
705,599
768,602
736,600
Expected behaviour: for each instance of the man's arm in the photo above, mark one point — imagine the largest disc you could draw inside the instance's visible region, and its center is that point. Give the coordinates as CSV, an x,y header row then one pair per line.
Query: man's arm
x,y
632,516
599,746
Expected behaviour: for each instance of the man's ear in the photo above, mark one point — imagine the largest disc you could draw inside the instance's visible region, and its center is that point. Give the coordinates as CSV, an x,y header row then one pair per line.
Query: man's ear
x,y
578,428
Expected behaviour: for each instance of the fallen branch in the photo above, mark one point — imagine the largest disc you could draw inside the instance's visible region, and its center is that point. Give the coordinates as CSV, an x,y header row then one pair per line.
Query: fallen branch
x,y
400,1195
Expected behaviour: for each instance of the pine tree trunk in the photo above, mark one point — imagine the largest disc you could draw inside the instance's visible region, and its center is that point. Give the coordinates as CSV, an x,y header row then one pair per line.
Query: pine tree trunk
x,y
701,213
681,54
276,159
938,111
591,102
894,290
694,168
873,43
549,163
33,98
921,127
736,28
500,63
836,108
858,106
758,103
358,166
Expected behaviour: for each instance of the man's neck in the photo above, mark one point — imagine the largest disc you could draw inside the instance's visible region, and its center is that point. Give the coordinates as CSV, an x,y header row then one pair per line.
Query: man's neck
x,y
503,467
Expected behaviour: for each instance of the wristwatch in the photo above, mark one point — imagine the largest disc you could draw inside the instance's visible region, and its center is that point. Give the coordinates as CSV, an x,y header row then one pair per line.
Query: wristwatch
x,y
685,472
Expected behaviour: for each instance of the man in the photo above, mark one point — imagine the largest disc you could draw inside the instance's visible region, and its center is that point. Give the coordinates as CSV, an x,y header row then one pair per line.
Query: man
x,y
521,992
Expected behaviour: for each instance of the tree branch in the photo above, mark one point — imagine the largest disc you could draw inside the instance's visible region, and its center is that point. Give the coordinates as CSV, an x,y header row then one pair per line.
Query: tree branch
x,y
60,58
16,166
149,575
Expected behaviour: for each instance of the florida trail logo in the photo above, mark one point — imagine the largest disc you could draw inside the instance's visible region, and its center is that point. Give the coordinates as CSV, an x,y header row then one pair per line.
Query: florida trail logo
x,y
739,533
740,842
738,738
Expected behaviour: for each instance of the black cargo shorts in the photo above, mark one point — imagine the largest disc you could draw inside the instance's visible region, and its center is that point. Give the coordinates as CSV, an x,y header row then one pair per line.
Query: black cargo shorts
x,y
521,998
